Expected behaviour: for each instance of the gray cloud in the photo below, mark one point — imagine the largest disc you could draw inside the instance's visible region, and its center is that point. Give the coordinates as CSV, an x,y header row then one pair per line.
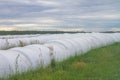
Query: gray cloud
x,y
85,14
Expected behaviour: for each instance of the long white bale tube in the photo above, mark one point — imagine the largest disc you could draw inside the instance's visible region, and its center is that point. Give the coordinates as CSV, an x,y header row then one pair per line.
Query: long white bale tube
x,y
19,41
57,47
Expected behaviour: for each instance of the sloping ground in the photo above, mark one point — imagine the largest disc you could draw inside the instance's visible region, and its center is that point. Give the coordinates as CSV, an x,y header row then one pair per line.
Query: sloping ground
x,y
98,64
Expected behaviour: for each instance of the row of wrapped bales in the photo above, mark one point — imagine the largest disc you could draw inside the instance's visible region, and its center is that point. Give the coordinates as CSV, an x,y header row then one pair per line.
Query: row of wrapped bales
x,y
7,43
21,59
18,36
10,42
64,48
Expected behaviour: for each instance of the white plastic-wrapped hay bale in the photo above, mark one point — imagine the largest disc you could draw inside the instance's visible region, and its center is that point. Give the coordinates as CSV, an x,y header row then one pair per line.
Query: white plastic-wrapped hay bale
x,y
16,62
4,44
44,57
13,43
116,36
36,54
23,58
4,66
24,41
67,44
18,36
83,45
58,52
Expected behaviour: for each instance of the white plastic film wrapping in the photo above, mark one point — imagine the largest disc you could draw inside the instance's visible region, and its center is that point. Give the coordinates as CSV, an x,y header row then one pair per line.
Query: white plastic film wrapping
x,y
31,52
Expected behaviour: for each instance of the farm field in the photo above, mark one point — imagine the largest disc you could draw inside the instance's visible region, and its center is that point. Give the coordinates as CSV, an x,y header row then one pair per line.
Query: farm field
x,y
59,39
25,54
98,64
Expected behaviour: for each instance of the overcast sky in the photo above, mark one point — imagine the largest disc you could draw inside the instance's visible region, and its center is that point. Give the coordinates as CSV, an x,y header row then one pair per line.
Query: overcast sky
x,y
89,15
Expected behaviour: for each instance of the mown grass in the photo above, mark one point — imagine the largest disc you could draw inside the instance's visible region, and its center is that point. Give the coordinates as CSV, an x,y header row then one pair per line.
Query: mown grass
x,y
98,64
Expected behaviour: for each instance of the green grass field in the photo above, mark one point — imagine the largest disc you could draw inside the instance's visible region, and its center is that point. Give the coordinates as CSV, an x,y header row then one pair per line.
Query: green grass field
x,y
98,64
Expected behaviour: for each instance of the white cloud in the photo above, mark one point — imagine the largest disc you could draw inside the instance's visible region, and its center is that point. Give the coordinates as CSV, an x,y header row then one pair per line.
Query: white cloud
x,y
6,28
38,2
52,11
47,3
96,16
